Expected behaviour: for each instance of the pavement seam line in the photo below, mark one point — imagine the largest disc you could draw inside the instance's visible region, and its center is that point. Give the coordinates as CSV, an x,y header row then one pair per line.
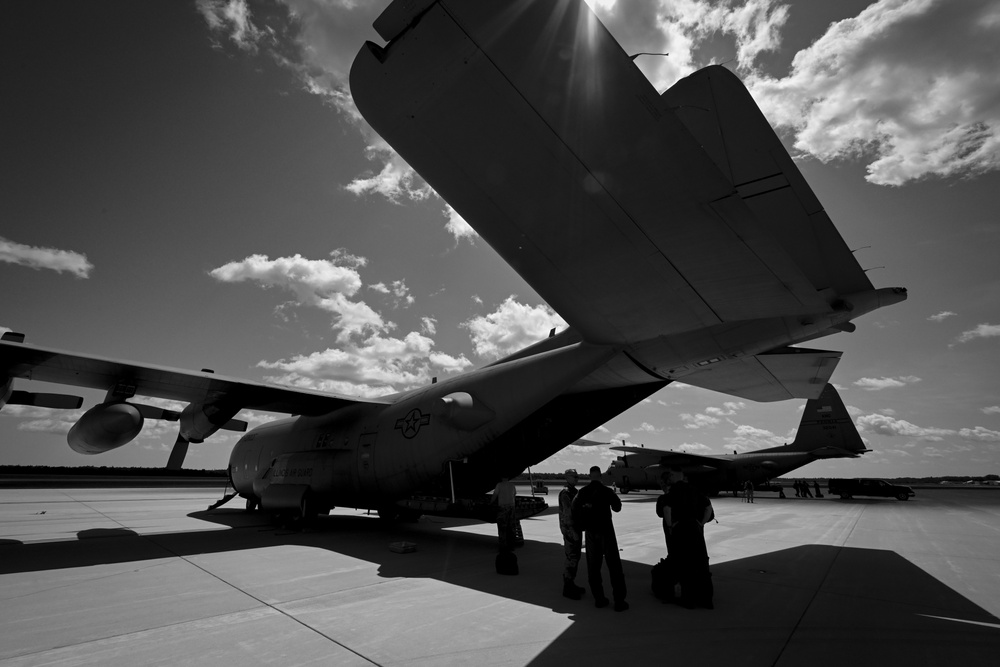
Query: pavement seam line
x,y
262,602
826,575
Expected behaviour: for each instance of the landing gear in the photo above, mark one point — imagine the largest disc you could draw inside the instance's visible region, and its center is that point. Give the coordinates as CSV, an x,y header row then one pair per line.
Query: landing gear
x,y
252,504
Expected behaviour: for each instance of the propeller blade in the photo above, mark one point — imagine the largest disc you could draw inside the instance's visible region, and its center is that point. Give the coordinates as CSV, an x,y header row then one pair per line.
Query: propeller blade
x,y
178,453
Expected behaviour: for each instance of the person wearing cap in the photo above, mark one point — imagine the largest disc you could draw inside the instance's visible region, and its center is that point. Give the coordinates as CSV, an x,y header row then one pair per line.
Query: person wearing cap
x,y
572,538
592,510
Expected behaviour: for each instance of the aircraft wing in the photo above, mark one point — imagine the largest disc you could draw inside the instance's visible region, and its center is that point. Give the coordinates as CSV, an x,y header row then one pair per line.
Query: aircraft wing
x,y
671,458
530,120
30,362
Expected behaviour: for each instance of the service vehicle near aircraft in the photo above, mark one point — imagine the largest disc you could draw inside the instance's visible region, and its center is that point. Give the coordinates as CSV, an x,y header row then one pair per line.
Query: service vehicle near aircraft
x,y
848,488
672,232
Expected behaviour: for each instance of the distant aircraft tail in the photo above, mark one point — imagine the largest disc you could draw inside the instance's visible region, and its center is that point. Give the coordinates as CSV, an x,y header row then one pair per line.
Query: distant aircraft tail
x,y
827,429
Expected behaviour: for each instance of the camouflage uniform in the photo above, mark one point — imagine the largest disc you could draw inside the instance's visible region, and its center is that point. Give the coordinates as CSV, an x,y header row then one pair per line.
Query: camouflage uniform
x,y
572,540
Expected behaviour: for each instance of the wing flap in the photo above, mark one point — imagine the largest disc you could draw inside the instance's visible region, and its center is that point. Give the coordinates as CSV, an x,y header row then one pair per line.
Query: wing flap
x,y
790,372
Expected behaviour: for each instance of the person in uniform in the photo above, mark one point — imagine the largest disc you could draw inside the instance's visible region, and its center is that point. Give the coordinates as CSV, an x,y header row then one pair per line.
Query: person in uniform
x,y
686,510
572,538
503,497
592,509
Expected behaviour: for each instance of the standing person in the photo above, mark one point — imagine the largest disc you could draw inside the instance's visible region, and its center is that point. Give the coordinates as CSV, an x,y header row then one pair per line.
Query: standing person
x,y
819,494
572,538
661,503
503,497
798,488
748,491
806,493
592,512
687,510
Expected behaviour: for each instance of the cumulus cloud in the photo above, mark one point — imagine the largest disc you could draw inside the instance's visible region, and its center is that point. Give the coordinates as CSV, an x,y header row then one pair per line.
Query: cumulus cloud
x,y
890,426
232,18
680,26
398,290
699,420
374,367
329,285
878,384
511,327
980,433
981,331
991,410
35,257
457,226
728,409
748,438
942,316
367,361
909,85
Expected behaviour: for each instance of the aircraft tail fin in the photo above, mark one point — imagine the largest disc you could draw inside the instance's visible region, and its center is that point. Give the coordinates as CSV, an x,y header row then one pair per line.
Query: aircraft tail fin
x,y
827,425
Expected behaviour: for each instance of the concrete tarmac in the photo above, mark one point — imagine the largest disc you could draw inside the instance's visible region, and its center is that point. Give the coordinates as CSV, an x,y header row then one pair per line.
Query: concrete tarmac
x,y
148,576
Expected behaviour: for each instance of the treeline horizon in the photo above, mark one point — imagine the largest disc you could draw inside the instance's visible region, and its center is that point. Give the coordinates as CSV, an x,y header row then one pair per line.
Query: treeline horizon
x,y
522,478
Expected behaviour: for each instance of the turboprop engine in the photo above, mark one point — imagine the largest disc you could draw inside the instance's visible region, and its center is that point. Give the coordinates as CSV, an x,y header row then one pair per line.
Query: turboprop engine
x,y
105,427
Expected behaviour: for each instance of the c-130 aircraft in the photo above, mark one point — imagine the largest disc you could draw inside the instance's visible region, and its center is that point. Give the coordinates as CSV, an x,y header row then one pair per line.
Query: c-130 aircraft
x,y
671,231
826,431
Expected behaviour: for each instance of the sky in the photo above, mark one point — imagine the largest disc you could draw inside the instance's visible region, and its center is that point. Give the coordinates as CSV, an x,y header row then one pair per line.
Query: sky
x,y
189,184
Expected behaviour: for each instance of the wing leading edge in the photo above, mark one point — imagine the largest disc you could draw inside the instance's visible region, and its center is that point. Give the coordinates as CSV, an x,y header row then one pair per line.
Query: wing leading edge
x,y
30,362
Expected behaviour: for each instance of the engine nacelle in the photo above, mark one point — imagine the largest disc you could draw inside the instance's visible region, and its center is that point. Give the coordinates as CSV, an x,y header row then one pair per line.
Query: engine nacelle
x,y
105,427
200,420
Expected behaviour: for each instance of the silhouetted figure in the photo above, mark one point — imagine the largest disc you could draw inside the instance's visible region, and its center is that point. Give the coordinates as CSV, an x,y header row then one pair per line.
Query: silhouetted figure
x,y
592,509
797,485
687,510
572,538
748,491
806,493
661,503
503,497
819,493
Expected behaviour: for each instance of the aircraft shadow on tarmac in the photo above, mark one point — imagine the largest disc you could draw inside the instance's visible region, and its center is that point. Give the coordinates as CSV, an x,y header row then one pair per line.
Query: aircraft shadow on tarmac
x,y
807,605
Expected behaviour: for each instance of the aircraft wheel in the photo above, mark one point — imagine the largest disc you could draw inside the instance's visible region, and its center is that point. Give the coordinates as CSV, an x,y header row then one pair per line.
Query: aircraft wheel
x,y
903,496
252,504
845,496
624,491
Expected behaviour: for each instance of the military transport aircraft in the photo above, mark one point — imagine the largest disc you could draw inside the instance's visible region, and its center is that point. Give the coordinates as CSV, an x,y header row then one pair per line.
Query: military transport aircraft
x,y
672,232
825,432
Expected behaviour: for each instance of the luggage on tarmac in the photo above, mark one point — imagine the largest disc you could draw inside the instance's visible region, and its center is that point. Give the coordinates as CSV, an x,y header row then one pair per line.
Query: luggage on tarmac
x,y
506,563
663,580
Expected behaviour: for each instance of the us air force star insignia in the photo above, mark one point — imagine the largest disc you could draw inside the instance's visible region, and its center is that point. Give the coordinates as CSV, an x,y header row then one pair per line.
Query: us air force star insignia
x,y
411,423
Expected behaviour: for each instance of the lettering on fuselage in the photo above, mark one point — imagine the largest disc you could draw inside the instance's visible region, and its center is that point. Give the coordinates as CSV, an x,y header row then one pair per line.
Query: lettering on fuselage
x,y
411,423
291,472
324,440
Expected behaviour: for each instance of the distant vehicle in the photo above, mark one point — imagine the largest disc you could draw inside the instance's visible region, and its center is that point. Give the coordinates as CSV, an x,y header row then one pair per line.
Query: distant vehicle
x,y
846,488
539,487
